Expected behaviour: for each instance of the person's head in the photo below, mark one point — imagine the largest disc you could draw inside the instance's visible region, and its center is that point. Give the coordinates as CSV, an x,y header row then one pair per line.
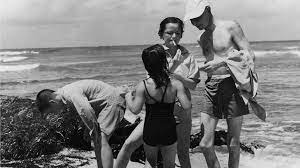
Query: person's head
x,y
204,20
199,13
156,64
47,102
171,30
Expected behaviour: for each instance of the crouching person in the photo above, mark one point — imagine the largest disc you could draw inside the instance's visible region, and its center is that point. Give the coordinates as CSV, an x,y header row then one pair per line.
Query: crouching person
x,y
100,106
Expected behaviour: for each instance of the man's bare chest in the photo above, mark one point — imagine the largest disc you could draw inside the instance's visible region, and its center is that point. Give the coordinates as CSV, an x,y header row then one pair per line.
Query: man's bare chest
x,y
222,41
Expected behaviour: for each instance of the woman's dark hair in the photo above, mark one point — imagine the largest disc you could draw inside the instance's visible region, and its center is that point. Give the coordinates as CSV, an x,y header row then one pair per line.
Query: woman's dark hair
x,y
156,64
162,26
43,98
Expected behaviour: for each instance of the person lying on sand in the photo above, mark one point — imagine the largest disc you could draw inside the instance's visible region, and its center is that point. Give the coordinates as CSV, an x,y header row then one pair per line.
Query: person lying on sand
x,y
100,106
158,93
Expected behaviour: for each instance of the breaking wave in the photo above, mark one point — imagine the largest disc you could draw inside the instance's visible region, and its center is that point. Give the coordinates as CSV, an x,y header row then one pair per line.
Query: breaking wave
x,y
9,53
6,68
11,59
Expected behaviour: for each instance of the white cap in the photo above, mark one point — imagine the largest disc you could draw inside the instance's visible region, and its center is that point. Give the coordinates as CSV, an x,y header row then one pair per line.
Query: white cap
x,y
194,8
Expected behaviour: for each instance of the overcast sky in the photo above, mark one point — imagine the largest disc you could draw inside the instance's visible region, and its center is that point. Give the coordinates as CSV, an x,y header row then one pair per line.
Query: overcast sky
x,y
59,23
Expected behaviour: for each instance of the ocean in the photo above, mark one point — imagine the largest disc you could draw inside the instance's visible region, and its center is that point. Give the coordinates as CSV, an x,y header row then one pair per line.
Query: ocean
x,y
24,72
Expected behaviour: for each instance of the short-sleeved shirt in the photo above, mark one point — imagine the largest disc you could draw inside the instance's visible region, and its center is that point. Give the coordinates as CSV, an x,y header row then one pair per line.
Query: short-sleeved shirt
x,y
95,101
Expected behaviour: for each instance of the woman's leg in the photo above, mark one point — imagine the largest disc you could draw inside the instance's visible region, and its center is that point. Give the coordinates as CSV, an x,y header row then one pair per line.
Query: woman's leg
x,y
169,153
134,141
151,154
183,132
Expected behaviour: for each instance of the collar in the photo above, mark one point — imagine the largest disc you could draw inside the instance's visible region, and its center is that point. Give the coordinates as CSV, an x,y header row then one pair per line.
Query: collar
x,y
59,93
165,47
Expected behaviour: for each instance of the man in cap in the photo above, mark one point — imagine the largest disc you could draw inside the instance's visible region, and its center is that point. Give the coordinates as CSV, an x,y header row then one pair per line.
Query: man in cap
x,y
223,100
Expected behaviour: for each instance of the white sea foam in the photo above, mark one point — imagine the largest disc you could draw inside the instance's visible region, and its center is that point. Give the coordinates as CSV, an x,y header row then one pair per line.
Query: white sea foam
x,y
292,47
266,158
11,59
261,53
7,53
6,68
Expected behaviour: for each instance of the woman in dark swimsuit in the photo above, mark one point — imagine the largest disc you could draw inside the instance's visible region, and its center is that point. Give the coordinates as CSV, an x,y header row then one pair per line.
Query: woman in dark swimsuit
x,y
158,93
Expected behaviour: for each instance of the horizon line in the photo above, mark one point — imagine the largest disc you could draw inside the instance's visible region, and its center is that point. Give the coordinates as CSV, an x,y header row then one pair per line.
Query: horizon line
x,y
122,45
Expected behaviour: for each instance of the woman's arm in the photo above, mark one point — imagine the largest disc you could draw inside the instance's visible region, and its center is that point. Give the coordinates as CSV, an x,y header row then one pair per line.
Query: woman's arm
x,y
193,77
182,96
135,103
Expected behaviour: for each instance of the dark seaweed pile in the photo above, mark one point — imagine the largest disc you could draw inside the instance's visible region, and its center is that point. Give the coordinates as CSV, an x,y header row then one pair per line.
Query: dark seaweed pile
x,y
25,134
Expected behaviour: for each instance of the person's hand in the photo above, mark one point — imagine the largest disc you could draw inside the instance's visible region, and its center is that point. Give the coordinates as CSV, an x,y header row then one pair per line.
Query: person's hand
x,y
128,96
236,55
176,76
178,58
95,131
211,66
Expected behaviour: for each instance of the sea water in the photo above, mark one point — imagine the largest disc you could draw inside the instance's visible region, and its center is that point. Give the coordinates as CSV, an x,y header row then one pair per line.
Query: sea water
x,y
24,72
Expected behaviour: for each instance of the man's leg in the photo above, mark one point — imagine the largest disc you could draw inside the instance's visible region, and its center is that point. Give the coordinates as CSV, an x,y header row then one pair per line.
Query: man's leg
x,y
102,149
97,145
183,136
134,141
208,126
233,141
106,152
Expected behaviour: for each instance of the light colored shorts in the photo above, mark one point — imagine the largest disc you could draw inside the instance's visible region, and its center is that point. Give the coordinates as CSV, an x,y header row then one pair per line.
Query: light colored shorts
x,y
109,113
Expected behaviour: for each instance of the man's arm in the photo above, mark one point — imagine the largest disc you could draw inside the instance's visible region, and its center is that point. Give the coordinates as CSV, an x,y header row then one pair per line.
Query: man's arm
x,y
240,40
187,82
87,114
85,110
135,103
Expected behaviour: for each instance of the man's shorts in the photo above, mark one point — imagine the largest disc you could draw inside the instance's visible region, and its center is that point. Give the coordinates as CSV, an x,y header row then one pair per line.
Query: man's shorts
x,y
222,99
109,113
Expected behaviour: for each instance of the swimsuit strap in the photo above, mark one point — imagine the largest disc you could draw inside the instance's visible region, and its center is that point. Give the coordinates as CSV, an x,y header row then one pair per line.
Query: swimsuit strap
x,y
162,99
148,92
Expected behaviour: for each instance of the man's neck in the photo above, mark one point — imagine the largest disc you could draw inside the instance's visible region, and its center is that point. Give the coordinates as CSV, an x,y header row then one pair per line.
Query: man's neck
x,y
212,25
57,96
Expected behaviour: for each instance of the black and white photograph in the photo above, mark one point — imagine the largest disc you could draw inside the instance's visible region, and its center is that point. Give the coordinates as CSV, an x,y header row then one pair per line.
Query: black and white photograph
x,y
149,84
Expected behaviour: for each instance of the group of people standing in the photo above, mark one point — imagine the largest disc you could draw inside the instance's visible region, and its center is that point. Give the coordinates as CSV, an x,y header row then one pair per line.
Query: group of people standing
x,y
172,73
